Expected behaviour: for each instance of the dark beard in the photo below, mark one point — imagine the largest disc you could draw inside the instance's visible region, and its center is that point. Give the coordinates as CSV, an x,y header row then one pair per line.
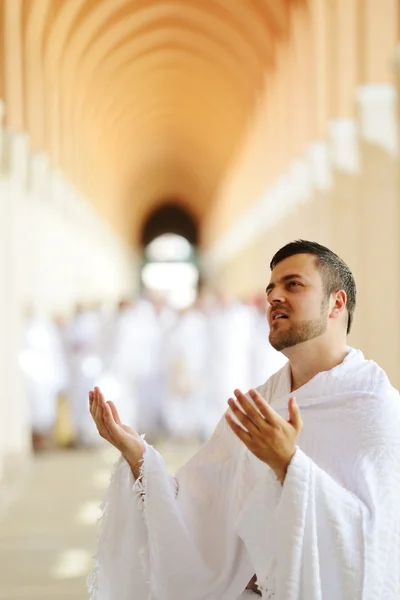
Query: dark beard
x,y
300,332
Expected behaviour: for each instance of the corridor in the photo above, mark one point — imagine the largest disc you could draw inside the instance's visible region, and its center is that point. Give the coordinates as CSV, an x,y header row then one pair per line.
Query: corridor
x,y
155,155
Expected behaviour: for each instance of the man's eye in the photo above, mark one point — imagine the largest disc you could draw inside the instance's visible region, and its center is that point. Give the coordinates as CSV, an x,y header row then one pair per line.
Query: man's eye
x,y
293,283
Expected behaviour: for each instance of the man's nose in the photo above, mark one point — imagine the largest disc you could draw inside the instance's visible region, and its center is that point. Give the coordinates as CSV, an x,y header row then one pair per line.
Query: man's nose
x,y
276,296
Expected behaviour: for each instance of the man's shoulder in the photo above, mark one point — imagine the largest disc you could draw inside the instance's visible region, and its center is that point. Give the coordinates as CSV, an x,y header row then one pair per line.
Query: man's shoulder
x,y
369,376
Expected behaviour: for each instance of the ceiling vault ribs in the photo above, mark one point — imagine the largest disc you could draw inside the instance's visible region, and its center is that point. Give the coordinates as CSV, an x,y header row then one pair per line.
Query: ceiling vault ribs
x,y
136,100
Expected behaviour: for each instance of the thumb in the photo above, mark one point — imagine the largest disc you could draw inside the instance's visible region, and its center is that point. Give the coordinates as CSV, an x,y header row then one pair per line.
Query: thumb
x,y
114,412
294,414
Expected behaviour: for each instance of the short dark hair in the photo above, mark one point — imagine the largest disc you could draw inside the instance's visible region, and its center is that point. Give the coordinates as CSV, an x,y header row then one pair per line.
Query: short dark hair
x,y
335,274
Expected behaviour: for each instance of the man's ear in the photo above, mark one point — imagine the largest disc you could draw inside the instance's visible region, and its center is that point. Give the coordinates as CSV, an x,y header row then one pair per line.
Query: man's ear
x,y
339,303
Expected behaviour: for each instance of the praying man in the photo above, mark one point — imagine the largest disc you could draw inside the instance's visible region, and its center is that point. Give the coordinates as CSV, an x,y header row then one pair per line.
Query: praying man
x,y
296,496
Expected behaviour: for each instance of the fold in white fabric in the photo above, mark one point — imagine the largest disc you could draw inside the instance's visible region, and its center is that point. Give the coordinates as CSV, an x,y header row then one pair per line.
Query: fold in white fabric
x,y
331,532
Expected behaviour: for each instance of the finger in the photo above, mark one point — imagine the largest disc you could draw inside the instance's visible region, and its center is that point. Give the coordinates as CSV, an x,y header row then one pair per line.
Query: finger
x,y
295,415
92,404
265,409
250,410
98,419
100,402
243,418
109,421
97,415
102,422
101,395
96,405
237,430
114,412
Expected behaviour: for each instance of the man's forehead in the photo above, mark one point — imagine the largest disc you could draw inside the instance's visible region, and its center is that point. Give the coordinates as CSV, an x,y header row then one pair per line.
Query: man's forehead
x,y
300,264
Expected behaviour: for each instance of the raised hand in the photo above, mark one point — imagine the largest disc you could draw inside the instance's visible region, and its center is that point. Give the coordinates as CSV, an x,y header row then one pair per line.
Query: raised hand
x,y
267,435
109,426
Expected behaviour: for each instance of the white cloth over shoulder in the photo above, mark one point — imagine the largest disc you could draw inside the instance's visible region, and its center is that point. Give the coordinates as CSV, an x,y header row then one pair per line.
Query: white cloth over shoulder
x,y
331,532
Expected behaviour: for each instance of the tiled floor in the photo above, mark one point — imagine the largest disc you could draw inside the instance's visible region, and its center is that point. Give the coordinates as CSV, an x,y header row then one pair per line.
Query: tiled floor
x,y
48,536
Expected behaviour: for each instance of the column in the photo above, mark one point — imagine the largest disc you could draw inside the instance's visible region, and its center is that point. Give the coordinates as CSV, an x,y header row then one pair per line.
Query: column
x,y
379,219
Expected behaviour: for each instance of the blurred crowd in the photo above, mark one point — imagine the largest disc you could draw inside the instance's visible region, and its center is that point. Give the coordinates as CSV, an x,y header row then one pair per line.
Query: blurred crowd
x,y
170,372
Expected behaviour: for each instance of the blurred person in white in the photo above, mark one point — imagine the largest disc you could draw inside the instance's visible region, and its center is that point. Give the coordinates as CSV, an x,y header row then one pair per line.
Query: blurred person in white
x,y
232,326
153,319
187,370
43,362
296,494
83,338
121,360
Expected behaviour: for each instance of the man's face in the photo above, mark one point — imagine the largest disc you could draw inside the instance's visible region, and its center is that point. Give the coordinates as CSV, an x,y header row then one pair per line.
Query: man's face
x,y
298,307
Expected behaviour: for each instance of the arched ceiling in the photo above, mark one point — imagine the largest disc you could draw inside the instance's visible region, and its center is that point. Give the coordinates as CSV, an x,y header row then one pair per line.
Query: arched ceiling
x,y
141,100
169,218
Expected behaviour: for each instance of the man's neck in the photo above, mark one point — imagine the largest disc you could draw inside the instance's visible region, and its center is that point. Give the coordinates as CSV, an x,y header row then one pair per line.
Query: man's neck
x,y
309,359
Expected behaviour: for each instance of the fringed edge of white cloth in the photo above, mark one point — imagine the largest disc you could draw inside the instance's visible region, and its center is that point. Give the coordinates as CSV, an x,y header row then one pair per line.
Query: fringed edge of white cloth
x,y
264,500
92,580
139,488
266,593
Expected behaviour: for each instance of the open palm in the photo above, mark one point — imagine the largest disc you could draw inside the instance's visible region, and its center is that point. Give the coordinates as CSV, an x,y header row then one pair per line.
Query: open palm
x,y
110,427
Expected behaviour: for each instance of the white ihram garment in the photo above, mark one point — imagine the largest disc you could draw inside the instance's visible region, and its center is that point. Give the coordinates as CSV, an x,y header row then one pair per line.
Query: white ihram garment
x,y
331,532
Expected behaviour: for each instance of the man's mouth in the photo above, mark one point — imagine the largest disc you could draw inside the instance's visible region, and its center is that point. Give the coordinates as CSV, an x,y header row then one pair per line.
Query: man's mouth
x,y
278,315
